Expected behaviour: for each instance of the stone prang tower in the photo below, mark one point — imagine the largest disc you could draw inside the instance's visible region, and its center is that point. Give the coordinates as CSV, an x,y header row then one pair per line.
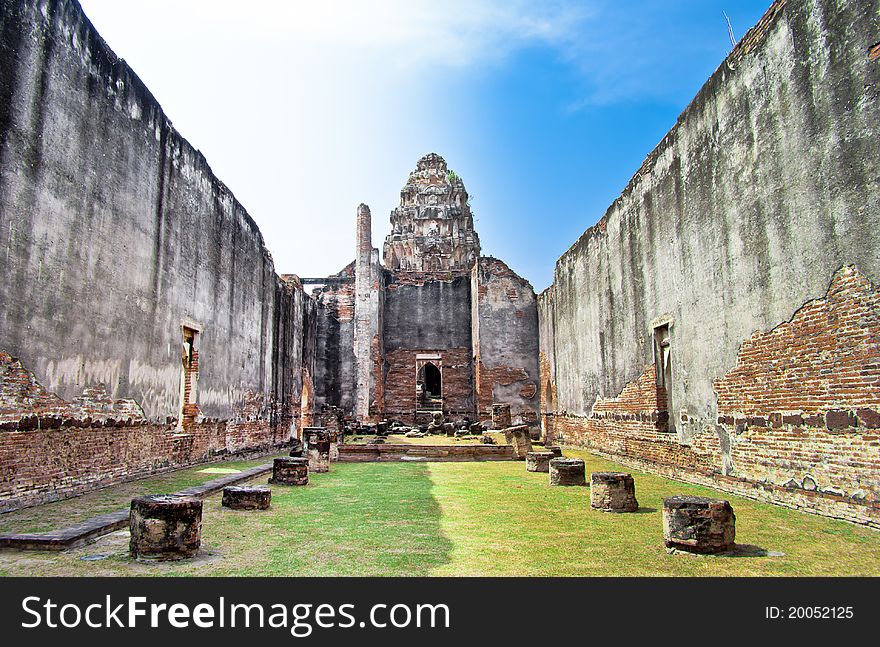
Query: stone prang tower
x,y
432,230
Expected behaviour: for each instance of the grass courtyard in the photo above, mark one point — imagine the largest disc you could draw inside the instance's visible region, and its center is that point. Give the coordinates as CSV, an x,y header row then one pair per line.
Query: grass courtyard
x,y
460,519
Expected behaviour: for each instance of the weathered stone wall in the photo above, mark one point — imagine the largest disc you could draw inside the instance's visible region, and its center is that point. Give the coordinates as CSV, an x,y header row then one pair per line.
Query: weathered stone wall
x,y
335,374
504,323
117,236
762,191
546,365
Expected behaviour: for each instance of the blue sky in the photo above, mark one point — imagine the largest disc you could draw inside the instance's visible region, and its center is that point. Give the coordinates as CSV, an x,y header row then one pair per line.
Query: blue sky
x,y
306,109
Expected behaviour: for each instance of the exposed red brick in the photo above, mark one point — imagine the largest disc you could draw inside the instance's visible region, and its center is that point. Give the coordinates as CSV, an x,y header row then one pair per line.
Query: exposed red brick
x,y
400,382
799,412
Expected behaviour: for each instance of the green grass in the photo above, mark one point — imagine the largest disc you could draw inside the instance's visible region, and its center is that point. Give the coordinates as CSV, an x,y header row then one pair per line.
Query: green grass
x,y
491,518
60,514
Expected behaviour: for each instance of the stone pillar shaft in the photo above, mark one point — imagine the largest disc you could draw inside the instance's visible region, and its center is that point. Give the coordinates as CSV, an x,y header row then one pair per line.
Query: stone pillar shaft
x,y
367,337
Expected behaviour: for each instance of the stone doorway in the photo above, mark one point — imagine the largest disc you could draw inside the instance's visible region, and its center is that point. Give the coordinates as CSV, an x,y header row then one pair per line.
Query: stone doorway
x,y
429,385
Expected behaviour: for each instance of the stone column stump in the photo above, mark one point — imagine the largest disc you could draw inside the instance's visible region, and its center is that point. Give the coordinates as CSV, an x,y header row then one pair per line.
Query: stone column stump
x,y
296,448
165,527
567,471
538,461
613,492
290,471
500,416
317,444
519,438
250,497
333,454
698,524
555,450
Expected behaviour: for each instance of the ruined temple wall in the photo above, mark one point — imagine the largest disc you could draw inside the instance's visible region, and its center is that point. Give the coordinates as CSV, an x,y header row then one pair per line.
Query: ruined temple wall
x,y
504,320
763,190
117,234
335,374
424,316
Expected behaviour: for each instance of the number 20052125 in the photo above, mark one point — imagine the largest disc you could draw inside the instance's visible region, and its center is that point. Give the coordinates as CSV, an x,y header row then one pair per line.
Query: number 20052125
x,y
808,613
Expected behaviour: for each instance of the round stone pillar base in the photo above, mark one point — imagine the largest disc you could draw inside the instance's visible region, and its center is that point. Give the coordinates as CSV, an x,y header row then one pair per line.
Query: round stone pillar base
x,y
613,492
165,527
567,471
698,524
538,461
290,471
251,497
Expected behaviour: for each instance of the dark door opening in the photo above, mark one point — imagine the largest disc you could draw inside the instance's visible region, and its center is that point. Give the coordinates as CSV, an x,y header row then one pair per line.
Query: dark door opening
x,y
429,388
433,381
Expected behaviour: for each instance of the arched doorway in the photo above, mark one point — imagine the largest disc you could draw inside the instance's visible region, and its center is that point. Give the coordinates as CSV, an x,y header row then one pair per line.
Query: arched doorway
x,y
430,387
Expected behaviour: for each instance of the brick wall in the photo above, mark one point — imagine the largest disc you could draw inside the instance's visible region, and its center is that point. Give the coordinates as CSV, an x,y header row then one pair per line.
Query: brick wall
x,y
801,408
400,382
51,449
42,465
25,404
798,416
504,331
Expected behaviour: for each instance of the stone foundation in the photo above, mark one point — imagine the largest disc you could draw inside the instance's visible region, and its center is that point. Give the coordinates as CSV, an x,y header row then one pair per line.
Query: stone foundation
x,y
165,527
538,461
698,524
290,471
254,497
567,471
350,453
613,492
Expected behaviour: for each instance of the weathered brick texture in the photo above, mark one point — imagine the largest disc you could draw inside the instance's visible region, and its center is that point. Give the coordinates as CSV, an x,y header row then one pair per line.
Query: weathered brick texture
x,y
798,415
400,382
52,449
505,339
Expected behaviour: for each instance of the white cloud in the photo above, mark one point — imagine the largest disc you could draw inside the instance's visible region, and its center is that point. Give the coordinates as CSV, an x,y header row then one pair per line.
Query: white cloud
x,y
305,109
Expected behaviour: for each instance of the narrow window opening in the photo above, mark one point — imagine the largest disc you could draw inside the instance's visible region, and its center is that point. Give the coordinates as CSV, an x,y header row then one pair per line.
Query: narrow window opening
x,y
663,363
189,377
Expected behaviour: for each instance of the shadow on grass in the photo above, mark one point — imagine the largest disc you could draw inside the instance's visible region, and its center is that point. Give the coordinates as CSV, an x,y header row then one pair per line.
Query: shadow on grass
x,y
643,510
749,550
358,519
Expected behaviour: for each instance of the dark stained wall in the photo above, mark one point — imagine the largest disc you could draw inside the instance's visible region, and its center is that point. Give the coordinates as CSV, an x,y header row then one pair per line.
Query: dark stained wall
x,y
423,314
115,233
766,185
429,315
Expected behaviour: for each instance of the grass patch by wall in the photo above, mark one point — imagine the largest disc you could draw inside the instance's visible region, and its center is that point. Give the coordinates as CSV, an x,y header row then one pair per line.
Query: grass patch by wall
x,y
60,514
488,518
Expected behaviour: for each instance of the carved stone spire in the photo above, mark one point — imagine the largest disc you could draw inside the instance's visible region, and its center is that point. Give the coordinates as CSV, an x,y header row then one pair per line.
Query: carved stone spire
x,y
432,230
